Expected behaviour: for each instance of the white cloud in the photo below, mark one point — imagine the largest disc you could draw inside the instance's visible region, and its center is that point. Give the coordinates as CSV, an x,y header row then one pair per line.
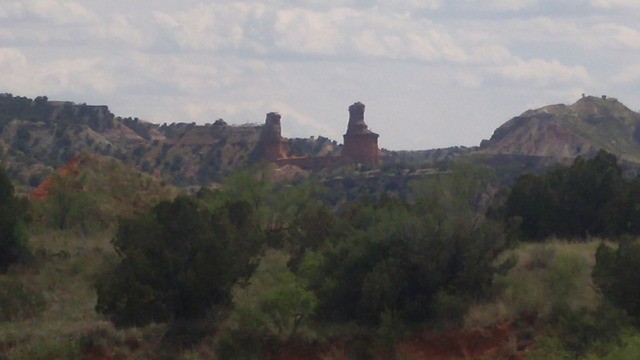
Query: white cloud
x,y
413,60
122,31
213,26
431,45
306,31
14,71
365,34
491,54
624,35
608,4
292,114
544,72
419,4
61,12
165,19
58,12
12,60
502,5
10,10
77,76
469,79
339,32
629,74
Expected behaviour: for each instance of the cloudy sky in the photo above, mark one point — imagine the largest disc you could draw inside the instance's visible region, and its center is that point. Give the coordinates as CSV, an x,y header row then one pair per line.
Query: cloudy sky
x,y
432,73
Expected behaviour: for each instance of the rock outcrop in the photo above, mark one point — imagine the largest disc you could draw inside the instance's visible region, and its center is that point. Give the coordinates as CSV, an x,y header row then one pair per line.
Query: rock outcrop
x,y
271,140
360,143
566,131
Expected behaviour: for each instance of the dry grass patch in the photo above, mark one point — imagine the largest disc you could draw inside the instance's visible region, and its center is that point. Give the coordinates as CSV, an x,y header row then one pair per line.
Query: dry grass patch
x,y
63,272
547,275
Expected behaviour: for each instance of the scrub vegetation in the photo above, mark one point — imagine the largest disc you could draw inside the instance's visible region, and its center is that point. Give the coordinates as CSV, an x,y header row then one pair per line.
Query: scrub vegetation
x,y
255,269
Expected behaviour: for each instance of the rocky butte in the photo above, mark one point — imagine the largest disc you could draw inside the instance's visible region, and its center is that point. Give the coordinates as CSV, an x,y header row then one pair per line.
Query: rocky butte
x,y
360,144
563,132
271,140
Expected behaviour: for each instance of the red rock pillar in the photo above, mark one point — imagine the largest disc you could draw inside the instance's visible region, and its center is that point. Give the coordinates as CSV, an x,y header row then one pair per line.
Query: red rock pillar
x,y
360,143
271,138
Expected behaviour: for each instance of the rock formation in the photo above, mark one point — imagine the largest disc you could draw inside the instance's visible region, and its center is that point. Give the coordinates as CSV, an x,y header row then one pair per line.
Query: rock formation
x,y
566,131
360,143
273,144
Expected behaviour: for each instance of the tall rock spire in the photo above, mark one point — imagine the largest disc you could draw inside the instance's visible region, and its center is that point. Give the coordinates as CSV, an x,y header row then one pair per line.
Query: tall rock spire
x,y
360,143
271,138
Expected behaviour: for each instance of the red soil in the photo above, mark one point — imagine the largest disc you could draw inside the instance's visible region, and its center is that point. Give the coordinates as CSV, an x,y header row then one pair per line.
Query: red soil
x,y
494,342
71,168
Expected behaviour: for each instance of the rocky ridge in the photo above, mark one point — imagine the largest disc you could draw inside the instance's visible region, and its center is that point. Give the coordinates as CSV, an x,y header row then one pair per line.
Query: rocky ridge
x,y
563,132
38,136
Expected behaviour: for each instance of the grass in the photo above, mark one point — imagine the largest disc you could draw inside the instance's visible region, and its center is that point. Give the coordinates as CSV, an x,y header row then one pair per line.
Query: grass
x,y
63,271
546,275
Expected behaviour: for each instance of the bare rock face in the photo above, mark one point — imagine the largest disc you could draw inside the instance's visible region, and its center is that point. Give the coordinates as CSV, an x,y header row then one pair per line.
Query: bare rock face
x,y
272,129
567,131
271,139
360,143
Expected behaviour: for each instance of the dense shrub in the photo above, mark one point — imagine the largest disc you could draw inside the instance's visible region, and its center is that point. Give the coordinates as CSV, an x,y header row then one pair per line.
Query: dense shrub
x,y
68,205
588,198
276,302
18,301
275,306
176,261
417,260
581,329
616,275
13,242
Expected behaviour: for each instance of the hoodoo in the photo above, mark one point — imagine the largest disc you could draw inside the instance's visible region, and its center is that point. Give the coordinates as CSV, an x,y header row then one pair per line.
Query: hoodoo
x,y
272,140
360,143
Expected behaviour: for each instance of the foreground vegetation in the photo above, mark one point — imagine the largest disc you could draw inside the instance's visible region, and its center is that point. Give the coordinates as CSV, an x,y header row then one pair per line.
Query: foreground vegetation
x,y
257,270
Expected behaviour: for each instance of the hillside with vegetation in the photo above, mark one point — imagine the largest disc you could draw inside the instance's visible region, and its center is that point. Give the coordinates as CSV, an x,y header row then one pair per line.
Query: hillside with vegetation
x,y
447,269
38,136
567,131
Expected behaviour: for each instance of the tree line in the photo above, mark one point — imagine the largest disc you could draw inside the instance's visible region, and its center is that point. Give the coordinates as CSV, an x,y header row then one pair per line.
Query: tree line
x,y
589,198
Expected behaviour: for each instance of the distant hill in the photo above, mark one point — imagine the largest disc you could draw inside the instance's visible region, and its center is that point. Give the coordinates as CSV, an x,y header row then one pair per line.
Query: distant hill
x,y
563,132
38,136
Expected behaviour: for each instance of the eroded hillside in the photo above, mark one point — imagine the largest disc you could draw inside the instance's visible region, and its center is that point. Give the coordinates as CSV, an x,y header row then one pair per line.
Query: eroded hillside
x,y
567,131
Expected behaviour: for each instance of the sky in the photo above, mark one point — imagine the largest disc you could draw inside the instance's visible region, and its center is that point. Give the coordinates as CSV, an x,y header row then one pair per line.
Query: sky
x,y
432,73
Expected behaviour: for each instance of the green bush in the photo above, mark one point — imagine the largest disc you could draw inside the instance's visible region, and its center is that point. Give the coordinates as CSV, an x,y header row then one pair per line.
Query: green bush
x,y
176,261
68,205
589,198
272,308
413,259
49,348
275,302
547,276
616,275
18,301
582,329
239,344
628,347
13,241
